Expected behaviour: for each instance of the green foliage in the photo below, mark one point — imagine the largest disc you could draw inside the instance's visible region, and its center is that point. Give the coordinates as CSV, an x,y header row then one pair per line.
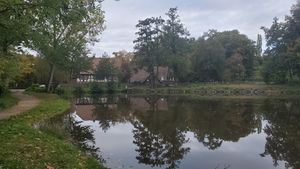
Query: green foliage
x,y
208,60
112,87
282,63
233,42
235,69
36,88
96,88
62,30
7,100
42,69
175,46
166,43
147,44
15,20
274,70
9,70
79,91
106,70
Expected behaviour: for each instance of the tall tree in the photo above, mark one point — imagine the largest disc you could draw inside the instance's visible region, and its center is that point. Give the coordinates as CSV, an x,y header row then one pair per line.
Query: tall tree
x,y
63,27
175,44
259,46
147,45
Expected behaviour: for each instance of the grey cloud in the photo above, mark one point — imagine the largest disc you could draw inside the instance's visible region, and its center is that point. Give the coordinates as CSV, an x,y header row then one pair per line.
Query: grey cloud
x,y
198,16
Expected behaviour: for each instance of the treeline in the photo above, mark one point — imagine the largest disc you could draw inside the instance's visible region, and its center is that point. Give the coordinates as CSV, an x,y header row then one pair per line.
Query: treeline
x,y
219,56
215,56
58,30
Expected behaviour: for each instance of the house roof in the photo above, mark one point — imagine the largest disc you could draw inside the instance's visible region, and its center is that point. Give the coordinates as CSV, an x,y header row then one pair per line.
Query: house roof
x,y
95,62
163,72
140,76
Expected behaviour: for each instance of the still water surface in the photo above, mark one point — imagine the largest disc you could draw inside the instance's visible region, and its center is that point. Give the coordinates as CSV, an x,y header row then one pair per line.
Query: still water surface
x,y
185,132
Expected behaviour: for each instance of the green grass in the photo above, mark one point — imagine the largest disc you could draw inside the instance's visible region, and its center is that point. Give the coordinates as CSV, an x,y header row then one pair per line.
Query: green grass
x,y
23,146
7,101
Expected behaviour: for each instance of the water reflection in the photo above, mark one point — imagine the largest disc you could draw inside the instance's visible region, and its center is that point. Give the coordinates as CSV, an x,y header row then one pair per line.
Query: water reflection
x,y
163,130
67,127
283,132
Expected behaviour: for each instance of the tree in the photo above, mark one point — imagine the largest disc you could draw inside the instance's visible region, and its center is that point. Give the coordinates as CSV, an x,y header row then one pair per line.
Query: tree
x,y
106,70
124,59
175,45
63,28
42,69
259,46
232,42
15,21
9,69
147,45
281,42
235,69
208,60
25,77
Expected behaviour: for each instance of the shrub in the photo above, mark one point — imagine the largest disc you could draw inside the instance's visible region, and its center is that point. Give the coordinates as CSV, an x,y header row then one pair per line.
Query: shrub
x,y
36,88
111,87
78,91
96,88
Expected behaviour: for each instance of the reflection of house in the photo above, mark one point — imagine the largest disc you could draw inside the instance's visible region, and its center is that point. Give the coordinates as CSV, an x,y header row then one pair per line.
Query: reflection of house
x,y
86,108
163,75
86,112
141,104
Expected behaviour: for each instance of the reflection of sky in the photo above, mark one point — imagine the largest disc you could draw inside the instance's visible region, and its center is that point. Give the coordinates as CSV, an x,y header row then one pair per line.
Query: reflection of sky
x,y
117,148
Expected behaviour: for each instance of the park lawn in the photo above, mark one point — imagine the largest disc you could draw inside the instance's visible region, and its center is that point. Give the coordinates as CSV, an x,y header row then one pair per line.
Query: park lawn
x,y
7,101
23,146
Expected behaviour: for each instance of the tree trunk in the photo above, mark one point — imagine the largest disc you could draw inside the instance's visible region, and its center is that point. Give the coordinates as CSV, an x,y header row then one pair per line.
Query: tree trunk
x,y
50,78
152,78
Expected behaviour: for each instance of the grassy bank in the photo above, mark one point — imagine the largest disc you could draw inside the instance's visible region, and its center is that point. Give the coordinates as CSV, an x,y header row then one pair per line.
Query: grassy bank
x,y
252,89
7,101
228,90
23,146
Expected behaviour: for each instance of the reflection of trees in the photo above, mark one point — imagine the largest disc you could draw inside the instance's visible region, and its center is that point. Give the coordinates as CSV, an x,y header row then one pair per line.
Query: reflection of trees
x,y
283,136
114,110
67,127
160,124
83,137
216,121
158,136
157,150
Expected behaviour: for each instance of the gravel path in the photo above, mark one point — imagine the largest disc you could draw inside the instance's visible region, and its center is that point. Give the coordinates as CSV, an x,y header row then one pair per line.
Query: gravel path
x,y
26,102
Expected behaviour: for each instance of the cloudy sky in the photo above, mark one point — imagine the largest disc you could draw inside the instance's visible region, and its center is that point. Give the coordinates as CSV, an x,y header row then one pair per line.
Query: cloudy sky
x,y
198,16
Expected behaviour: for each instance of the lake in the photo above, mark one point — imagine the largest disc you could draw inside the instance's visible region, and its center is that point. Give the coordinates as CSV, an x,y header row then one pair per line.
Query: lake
x,y
185,132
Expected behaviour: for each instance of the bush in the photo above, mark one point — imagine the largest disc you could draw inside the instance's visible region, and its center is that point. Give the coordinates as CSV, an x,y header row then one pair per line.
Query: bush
x,y
96,88
111,87
36,88
7,100
78,91
2,90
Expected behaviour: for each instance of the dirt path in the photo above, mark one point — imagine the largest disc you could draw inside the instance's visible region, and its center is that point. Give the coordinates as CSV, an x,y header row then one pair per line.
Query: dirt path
x,y
25,103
